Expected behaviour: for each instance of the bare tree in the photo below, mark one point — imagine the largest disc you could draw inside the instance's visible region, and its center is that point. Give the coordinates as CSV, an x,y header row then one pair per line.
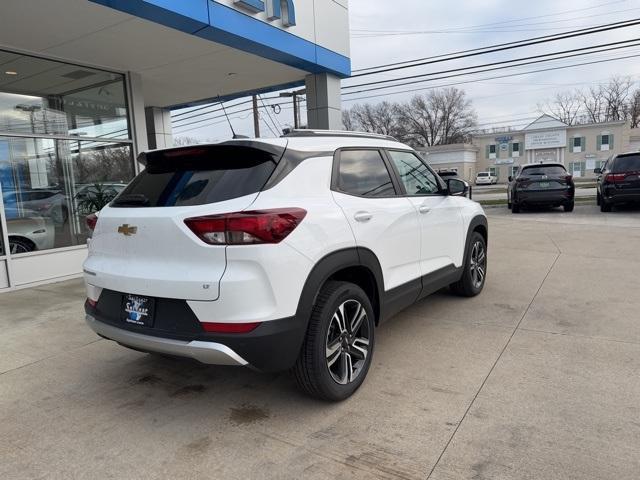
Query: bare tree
x,y
439,117
185,141
565,106
602,103
381,118
634,109
616,96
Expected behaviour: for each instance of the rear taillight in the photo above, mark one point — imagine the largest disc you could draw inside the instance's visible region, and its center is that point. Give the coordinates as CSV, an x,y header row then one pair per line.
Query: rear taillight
x,y
92,303
568,178
615,177
247,228
91,220
229,327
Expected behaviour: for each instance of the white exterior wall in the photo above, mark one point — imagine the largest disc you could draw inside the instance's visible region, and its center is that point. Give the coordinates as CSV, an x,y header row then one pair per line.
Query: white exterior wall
x,y
323,22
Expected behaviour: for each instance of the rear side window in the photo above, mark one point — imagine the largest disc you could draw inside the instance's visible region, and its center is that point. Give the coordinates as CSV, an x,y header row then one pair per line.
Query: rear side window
x,y
544,170
364,173
198,176
629,163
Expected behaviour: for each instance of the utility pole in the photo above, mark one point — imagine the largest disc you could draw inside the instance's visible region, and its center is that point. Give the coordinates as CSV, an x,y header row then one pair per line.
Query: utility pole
x,y
296,106
256,117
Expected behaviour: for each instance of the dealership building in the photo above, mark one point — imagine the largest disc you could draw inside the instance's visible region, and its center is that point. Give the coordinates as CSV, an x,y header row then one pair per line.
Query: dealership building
x,y
85,85
581,148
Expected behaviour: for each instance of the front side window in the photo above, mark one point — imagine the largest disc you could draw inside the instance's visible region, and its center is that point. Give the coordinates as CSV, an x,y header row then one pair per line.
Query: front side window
x,y
414,174
364,173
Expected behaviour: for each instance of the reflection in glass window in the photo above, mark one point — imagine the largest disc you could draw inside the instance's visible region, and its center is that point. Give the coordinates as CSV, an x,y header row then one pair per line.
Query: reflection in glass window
x,y
414,174
49,186
363,172
54,98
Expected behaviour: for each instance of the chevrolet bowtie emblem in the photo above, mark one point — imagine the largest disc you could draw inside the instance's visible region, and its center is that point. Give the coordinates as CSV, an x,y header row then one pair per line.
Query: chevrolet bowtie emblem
x,y
127,230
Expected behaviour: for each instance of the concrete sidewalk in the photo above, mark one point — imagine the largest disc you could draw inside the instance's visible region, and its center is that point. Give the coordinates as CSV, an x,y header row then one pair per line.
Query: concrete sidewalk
x,y
537,378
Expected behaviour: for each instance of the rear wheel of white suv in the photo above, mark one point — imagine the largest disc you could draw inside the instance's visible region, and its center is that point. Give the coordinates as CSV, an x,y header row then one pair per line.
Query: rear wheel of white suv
x,y
337,351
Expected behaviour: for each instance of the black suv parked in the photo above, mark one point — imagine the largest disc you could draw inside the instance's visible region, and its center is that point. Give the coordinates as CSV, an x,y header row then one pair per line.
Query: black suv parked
x,y
619,181
541,184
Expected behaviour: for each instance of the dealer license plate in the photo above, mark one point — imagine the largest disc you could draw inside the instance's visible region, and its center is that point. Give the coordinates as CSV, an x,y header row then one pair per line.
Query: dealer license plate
x,y
138,310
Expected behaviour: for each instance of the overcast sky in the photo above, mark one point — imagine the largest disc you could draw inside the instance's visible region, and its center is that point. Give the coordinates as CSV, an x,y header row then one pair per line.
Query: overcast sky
x,y
387,32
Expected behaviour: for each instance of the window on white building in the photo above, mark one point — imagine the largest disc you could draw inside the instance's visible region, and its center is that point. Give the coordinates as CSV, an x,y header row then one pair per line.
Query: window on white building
x,y
491,151
605,142
515,150
578,144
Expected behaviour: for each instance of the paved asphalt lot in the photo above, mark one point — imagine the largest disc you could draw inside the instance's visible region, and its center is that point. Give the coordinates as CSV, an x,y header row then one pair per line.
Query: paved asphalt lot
x,y
537,378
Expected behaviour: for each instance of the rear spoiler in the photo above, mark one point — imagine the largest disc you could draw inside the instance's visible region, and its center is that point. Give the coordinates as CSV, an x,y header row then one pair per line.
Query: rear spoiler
x,y
198,157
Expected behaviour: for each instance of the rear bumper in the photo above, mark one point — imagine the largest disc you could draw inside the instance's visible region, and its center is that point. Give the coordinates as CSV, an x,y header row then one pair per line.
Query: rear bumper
x,y
273,346
545,197
621,196
205,352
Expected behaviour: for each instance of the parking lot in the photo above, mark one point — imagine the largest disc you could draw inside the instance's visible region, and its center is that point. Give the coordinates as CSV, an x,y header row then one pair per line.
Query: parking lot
x,y
537,378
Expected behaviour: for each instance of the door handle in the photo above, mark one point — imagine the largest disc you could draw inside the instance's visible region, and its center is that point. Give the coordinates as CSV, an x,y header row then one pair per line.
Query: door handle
x,y
363,216
424,209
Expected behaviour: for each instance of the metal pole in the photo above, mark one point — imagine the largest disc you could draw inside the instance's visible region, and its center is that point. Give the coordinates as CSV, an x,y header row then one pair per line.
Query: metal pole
x,y
296,118
256,117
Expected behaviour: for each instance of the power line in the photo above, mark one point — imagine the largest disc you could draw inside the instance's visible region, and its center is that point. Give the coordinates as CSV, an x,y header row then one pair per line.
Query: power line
x,y
492,78
278,128
413,82
503,62
517,20
495,48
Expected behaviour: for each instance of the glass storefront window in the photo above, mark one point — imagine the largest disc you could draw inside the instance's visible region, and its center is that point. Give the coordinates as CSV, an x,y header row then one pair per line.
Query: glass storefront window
x,y
65,150
44,97
49,186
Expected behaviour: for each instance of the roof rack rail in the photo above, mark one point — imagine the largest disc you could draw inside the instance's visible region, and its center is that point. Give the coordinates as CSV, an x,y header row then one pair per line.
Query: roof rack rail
x,y
336,133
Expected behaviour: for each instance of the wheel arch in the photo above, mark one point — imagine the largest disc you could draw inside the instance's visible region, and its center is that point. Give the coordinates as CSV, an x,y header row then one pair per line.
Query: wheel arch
x,y
356,265
24,239
477,224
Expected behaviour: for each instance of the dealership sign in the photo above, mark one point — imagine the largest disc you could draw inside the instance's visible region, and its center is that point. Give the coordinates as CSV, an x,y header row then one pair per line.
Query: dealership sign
x,y
275,9
549,139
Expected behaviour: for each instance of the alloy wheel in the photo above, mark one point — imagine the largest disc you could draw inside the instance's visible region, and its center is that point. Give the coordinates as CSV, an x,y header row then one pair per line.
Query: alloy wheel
x,y
17,247
347,342
478,264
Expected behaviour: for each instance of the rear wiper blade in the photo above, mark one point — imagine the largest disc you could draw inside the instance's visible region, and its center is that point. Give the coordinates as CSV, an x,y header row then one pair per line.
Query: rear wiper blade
x,y
133,199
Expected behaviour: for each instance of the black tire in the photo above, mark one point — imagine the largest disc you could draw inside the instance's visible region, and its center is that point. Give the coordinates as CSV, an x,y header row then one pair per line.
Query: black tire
x,y
468,285
312,371
515,208
568,207
20,245
604,206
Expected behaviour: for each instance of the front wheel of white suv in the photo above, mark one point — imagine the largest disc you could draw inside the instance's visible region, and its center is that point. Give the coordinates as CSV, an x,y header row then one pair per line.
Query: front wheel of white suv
x,y
475,268
337,351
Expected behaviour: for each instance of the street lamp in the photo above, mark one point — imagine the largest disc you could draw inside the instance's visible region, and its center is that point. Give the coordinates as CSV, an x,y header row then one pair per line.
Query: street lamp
x,y
296,107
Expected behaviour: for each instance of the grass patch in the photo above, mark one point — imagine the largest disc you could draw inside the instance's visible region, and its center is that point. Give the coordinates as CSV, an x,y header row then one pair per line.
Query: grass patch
x,y
494,203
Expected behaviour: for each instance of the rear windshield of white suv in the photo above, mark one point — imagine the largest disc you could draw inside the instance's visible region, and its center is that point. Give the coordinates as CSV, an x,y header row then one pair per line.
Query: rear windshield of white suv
x,y
628,163
484,174
198,176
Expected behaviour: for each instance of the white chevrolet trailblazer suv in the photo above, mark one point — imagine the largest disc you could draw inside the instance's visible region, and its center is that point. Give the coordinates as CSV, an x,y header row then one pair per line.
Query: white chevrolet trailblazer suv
x,y
281,253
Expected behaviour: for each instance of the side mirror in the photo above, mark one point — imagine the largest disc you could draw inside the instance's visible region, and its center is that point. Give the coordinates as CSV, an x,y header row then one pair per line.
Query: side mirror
x,y
597,171
458,188
510,178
